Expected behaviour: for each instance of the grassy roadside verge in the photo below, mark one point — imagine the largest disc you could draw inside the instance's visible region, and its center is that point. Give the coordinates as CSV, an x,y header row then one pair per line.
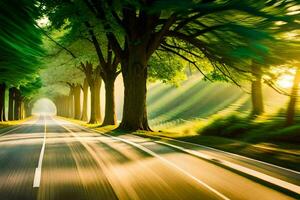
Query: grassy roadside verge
x,y
7,124
281,154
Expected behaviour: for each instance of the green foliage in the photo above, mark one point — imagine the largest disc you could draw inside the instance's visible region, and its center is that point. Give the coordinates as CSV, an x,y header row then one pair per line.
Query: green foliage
x,y
31,88
289,134
234,126
20,41
231,35
216,75
166,68
194,99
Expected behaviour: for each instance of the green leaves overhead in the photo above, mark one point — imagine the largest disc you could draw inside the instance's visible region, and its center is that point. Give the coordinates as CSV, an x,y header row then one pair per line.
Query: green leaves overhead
x,y
31,88
20,41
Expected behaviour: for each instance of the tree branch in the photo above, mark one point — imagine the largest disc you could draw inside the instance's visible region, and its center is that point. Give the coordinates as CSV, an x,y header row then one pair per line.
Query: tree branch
x,y
185,58
61,46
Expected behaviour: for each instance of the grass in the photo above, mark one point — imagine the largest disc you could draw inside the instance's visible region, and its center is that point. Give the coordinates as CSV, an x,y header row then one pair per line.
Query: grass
x,y
7,124
215,114
253,130
282,154
189,101
264,138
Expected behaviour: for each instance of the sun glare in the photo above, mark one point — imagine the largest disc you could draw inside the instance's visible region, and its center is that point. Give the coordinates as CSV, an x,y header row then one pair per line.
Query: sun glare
x,y
44,106
43,22
285,81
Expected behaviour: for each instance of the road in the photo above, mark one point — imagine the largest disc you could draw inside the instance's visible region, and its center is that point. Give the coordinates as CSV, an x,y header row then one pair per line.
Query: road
x,y
51,159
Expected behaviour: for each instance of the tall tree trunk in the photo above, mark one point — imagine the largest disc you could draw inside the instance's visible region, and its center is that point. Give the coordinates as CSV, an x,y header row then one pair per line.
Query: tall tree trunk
x,y
135,78
11,104
290,114
85,89
77,103
71,102
57,105
98,82
95,101
256,92
22,115
110,112
93,114
28,108
67,106
17,106
2,102
64,106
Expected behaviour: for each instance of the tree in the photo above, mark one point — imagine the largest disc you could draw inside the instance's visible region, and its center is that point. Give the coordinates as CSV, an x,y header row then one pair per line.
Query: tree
x,y
20,43
290,113
24,95
224,31
67,15
85,88
94,81
63,72
2,102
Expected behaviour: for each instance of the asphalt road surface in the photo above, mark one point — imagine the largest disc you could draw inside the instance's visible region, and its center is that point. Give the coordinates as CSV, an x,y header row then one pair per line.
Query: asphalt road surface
x,y
51,159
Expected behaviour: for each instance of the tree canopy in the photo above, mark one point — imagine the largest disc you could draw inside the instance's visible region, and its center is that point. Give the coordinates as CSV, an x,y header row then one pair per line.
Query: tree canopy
x,y
20,41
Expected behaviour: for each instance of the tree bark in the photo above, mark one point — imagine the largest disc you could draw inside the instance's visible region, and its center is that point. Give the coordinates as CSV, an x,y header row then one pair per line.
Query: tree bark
x,y
57,105
108,72
98,82
290,114
110,112
2,102
11,104
22,110
77,103
17,106
95,101
71,102
27,108
93,115
256,92
65,106
85,89
135,78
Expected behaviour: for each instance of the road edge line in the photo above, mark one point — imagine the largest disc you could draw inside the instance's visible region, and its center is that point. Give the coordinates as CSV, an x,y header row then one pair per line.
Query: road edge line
x,y
148,151
275,181
229,153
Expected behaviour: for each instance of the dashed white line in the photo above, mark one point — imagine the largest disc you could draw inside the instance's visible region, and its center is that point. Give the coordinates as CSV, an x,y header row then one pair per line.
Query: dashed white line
x,y
38,170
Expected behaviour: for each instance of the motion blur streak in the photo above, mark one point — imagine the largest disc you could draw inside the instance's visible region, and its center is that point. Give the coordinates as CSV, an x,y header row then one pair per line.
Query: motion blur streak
x,y
80,164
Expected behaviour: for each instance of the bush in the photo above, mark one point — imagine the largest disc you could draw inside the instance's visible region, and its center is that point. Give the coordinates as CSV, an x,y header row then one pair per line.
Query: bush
x,y
288,135
232,126
251,131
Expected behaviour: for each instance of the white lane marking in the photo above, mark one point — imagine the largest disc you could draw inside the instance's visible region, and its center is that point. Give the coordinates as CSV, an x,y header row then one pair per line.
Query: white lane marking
x,y
211,148
115,185
228,153
270,179
259,175
148,151
38,170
